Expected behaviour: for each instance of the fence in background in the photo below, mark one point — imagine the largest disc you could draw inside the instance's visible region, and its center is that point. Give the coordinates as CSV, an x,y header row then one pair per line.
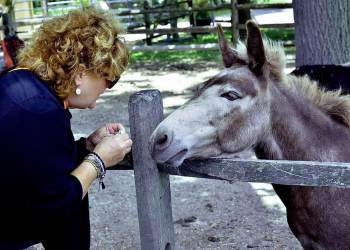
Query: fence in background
x,y
234,25
141,17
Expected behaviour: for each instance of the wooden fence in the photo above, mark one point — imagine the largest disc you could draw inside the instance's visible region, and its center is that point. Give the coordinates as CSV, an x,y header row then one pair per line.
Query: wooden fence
x,y
234,27
139,17
152,180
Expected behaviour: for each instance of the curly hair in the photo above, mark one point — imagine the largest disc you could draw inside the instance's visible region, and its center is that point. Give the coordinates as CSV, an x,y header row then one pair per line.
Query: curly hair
x,y
81,41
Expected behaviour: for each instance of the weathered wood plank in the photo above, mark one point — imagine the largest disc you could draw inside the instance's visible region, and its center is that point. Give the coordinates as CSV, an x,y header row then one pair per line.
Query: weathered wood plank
x,y
197,47
205,29
174,47
174,10
264,6
234,23
298,172
211,8
177,30
271,26
278,172
152,187
301,173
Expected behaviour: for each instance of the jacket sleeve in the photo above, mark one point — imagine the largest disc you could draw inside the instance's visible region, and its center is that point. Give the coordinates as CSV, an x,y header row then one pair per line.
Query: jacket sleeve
x,y
44,155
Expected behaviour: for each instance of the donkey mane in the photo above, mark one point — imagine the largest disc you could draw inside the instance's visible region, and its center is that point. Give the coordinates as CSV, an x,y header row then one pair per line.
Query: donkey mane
x,y
333,103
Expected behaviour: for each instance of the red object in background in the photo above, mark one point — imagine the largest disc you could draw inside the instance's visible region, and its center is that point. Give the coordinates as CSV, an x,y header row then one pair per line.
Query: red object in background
x,y
10,47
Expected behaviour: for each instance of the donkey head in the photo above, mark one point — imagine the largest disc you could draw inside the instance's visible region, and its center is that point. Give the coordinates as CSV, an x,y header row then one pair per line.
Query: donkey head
x,y
230,112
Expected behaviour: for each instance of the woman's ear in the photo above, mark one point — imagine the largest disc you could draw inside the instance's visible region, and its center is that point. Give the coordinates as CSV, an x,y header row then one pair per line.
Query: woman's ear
x,y
79,78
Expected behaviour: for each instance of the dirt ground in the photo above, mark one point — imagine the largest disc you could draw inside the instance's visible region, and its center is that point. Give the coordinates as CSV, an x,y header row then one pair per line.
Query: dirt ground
x,y
208,214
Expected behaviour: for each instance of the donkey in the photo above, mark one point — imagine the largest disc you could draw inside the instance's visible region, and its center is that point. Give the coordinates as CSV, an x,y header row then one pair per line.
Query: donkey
x,y
253,104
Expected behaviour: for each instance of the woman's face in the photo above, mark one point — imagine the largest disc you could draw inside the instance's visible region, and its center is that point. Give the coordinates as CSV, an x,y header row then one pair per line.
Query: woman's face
x,y
91,87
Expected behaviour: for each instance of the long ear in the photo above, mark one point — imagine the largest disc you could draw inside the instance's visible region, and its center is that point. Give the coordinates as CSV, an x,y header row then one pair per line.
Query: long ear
x,y
229,56
255,48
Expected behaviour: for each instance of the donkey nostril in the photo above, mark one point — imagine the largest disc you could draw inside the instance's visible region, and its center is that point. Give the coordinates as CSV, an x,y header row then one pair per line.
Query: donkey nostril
x,y
162,139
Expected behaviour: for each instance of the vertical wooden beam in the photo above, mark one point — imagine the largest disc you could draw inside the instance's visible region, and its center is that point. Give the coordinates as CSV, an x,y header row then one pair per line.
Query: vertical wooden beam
x,y
243,17
8,21
173,19
147,18
152,187
234,22
191,17
46,8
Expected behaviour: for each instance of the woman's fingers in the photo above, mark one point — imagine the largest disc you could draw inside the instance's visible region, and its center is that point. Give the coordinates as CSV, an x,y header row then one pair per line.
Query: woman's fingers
x,y
123,137
121,128
115,128
127,150
113,148
112,128
128,143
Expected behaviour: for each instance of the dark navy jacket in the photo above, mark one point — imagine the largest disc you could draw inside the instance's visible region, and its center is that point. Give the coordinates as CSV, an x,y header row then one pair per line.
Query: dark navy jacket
x,y
39,199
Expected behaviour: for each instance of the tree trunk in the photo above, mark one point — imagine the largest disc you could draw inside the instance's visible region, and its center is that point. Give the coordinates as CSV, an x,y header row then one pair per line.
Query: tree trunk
x,y
322,31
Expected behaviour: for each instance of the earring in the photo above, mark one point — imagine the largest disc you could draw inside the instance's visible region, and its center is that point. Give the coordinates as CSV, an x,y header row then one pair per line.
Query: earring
x,y
77,91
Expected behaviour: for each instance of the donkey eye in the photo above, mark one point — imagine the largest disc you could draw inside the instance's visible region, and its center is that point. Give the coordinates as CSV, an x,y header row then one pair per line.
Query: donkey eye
x,y
231,95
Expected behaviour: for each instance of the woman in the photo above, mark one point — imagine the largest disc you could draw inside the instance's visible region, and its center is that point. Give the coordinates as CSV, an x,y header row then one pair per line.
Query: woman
x,y
45,175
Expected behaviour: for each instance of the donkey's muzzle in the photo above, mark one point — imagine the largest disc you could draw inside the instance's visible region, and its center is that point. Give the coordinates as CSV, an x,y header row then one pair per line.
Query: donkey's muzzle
x,y
165,148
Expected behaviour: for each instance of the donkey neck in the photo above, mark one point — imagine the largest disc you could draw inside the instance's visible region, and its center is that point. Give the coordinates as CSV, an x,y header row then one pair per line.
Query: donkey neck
x,y
299,130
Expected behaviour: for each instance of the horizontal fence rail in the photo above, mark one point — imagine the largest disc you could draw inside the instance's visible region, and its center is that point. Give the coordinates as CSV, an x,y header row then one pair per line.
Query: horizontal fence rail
x,y
156,10
301,173
207,29
158,48
247,6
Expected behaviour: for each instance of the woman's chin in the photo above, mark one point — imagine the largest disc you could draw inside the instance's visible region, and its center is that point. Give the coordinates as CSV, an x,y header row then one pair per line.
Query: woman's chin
x,y
91,106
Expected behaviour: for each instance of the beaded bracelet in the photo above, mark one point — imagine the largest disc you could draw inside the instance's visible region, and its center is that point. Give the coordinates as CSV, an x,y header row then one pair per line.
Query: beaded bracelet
x,y
96,161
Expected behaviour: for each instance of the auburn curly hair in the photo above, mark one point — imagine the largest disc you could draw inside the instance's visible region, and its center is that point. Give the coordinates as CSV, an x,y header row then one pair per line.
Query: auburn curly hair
x,y
81,41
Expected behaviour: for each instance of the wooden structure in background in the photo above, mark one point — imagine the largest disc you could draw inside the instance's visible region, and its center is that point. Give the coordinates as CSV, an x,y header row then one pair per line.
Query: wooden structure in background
x,y
140,17
234,27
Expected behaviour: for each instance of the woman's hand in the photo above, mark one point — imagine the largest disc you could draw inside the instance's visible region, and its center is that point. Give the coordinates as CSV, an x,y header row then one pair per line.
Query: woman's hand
x,y
113,148
108,130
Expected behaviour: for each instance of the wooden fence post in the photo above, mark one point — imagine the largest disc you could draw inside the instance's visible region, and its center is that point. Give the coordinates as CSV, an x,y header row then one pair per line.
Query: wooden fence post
x,y
192,17
46,8
8,21
234,22
173,19
243,17
147,18
152,187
